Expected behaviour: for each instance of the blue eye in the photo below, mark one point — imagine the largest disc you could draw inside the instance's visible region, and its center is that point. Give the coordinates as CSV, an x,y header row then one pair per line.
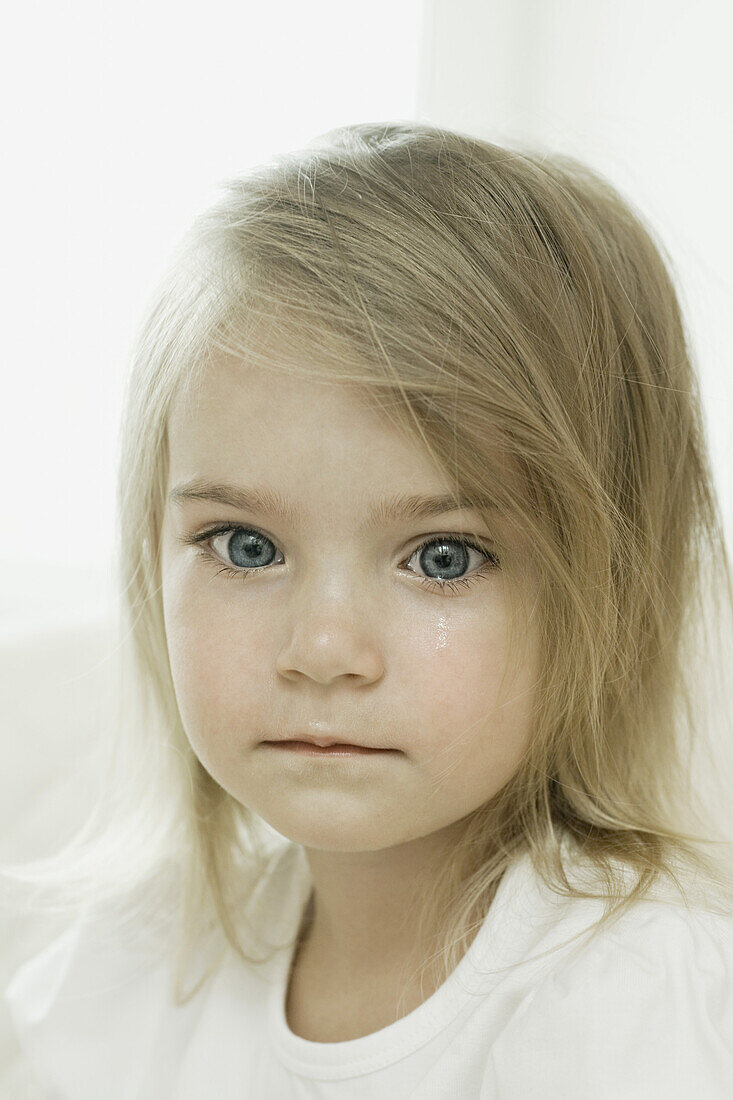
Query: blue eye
x,y
444,553
451,554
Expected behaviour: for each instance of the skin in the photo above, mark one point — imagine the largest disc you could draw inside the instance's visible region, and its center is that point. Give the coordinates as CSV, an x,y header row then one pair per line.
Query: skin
x,y
336,629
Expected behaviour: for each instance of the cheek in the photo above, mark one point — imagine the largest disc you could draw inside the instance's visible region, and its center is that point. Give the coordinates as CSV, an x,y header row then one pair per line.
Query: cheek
x,y
453,666
459,710
213,667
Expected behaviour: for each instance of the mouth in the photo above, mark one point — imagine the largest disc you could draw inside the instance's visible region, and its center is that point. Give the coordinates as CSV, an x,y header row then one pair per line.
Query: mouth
x,y
334,749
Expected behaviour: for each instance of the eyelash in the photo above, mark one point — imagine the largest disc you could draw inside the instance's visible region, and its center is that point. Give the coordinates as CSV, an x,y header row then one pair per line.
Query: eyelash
x,y
428,583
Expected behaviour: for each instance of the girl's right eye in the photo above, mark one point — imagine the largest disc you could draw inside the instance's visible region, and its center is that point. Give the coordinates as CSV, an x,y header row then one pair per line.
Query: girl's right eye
x,y
247,543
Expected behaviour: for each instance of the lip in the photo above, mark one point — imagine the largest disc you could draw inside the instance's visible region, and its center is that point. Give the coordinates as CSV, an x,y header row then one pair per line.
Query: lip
x,y
319,741
332,749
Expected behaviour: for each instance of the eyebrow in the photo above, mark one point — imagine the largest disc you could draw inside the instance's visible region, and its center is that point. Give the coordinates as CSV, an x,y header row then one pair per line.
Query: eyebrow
x,y
401,507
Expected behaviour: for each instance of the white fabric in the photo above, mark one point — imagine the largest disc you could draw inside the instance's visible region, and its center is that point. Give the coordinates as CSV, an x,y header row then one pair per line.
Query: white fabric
x,y
646,1009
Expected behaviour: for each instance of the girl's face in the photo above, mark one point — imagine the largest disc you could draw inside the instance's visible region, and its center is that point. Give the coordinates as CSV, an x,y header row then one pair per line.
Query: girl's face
x,y
316,620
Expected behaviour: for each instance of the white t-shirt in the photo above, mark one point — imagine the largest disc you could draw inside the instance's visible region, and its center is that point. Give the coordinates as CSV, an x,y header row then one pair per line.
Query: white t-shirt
x,y
645,1010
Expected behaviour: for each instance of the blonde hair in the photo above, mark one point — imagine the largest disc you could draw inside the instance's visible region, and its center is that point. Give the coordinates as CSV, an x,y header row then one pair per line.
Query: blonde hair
x,y
512,312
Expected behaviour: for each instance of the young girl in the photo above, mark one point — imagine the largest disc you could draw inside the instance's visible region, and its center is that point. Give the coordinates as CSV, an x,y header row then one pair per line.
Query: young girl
x,y
415,524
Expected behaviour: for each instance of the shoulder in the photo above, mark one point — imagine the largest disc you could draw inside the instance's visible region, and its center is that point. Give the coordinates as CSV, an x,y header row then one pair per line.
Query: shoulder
x,y
91,993
103,986
89,954
641,1007
656,946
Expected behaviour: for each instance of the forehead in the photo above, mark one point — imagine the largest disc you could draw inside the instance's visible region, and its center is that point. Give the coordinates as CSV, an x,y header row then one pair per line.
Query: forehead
x,y
296,446
242,420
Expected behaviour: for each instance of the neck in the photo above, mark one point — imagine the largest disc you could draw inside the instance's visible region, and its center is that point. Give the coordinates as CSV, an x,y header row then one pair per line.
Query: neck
x,y
375,915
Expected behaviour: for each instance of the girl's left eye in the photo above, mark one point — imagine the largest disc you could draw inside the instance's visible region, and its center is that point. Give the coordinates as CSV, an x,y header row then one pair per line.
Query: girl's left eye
x,y
447,553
